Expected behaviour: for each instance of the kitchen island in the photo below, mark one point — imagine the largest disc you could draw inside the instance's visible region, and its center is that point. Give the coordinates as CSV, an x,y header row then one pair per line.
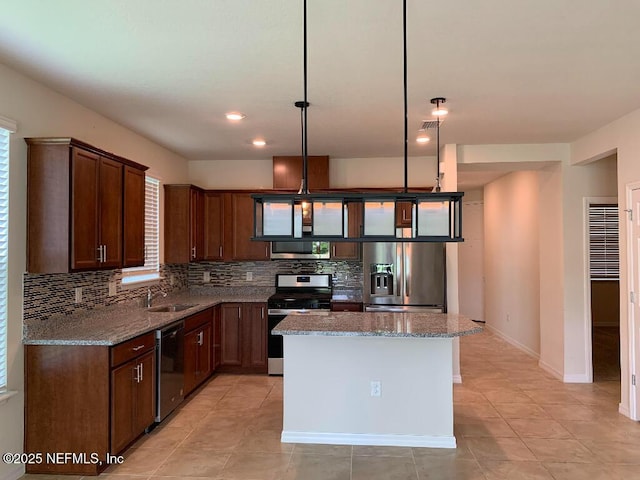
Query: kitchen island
x,y
370,378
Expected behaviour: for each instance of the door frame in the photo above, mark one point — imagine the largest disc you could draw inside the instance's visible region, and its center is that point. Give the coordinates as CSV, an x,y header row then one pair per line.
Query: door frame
x,y
588,317
631,393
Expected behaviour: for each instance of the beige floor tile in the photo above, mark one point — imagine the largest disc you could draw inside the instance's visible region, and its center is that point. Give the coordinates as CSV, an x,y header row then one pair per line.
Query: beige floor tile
x,y
499,470
189,462
255,466
263,441
614,452
572,411
475,410
483,427
228,404
140,461
185,418
538,428
315,449
166,437
249,390
588,471
212,439
507,396
316,467
443,468
224,379
548,396
383,468
500,449
202,402
106,476
461,452
559,450
32,476
520,410
597,430
375,451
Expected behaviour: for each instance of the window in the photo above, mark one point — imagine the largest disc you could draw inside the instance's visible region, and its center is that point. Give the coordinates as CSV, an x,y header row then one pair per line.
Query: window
x,y
604,256
6,127
151,268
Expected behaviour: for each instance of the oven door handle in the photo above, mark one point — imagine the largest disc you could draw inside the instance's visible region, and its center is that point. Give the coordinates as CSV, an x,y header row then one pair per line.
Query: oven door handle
x,y
303,311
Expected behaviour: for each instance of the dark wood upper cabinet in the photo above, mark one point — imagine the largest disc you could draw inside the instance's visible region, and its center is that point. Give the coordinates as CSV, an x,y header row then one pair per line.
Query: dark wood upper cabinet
x,y
241,220
134,215
214,226
183,223
75,207
350,250
287,172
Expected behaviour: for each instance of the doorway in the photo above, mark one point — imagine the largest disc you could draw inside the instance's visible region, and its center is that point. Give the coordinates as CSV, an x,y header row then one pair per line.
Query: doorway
x,y
604,287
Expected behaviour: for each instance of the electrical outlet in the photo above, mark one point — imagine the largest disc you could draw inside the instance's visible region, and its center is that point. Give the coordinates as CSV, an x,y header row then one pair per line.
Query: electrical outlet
x,y
206,277
113,289
249,276
376,388
78,294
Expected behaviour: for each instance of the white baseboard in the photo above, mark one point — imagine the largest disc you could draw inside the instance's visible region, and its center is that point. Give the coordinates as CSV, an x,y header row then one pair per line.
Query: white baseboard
x,y
624,410
428,441
13,474
513,342
576,378
457,378
548,368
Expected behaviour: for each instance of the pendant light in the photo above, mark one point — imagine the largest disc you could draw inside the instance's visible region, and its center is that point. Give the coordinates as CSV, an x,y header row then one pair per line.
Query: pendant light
x,y
435,216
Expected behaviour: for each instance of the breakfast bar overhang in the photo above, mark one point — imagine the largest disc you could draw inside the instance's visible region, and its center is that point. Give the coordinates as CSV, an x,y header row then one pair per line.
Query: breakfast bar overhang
x,y
380,379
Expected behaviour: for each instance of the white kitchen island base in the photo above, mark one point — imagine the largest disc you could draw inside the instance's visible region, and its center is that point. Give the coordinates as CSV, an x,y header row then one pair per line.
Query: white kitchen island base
x,y
328,387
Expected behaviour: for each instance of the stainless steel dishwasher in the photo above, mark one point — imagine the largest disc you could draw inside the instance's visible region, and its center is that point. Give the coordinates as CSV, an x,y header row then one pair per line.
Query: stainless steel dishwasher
x,y
170,369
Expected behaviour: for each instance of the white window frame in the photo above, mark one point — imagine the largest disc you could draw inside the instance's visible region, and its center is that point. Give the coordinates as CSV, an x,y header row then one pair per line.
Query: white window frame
x,y
150,272
6,128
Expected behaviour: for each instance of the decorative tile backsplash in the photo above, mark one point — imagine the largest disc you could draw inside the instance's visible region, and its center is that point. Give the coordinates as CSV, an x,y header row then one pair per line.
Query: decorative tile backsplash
x,y
346,274
51,294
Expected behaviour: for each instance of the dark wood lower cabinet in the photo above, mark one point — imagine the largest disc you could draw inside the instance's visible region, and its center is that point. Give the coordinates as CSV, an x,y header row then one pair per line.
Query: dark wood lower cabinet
x,y
243,338
197,357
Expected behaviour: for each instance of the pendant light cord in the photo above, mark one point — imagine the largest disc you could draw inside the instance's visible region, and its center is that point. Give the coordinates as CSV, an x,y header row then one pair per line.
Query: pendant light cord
x,y
406,115
305,186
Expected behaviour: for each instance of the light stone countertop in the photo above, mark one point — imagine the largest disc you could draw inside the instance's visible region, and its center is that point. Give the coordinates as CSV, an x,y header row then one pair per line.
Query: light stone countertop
x,y
113,325
378,324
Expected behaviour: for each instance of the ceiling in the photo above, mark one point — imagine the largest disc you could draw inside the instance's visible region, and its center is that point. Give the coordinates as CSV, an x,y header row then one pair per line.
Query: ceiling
x,y
541,71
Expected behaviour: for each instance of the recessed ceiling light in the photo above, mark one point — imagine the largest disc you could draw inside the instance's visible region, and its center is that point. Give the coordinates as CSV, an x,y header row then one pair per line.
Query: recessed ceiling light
x,y
258,142
235,116
422,137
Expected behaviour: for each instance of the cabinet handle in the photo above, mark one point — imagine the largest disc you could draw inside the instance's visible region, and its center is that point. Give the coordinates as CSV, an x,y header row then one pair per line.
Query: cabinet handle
x,y
266,250
200,338
193,252
99,253
141,371
220,251
138,376
262,313
239,313
404,215
334,251
139,347
104,253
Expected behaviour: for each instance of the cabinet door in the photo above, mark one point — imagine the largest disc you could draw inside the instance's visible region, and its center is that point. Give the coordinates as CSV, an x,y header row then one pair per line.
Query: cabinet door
x,y
123,381
255,335
85,168
190,361
216,350
231,334
242,222
204,353
177,236
111,213
134,214
287,172
403,214
350,250
196,224
213,226
145,401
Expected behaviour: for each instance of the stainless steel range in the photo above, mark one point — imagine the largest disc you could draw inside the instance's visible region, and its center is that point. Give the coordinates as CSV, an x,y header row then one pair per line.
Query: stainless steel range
x,y
295,294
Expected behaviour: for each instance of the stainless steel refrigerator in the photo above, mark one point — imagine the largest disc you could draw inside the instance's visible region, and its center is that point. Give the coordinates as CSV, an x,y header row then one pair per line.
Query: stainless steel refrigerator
x,y
404,276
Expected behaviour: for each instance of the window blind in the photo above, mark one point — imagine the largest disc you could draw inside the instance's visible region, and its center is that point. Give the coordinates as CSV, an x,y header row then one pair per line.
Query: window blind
x,y
151,235
4,240
604,252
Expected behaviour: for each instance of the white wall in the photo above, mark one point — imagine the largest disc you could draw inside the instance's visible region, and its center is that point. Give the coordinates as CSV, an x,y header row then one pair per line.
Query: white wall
x,y
41,112
620,136
471,256
343,173
512,270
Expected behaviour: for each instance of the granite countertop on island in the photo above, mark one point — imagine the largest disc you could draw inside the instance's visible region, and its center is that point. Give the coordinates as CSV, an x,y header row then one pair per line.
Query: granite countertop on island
x,y
113,325
378,324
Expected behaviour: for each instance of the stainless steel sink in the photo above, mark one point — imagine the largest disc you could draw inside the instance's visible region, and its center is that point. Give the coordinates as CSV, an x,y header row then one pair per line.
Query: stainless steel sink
x,y
175,307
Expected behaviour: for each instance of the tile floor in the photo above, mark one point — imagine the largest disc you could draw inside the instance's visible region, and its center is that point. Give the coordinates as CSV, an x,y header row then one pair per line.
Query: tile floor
x,y
512,421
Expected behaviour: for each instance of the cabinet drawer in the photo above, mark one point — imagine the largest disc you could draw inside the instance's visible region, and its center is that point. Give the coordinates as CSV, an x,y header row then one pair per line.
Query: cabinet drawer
x,y
346,307
194,321
132,348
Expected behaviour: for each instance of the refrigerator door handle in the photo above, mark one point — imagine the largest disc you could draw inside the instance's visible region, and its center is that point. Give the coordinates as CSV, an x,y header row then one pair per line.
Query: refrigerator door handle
x,y
400,269
407,269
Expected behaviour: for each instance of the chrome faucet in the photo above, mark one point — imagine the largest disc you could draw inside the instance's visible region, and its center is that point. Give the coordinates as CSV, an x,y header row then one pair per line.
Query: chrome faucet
x,y
148,299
